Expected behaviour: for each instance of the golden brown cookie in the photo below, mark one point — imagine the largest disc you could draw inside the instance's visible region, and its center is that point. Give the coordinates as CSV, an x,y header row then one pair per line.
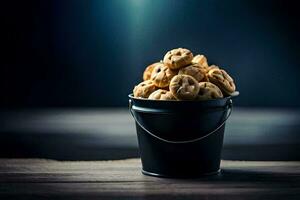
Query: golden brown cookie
x,y
208,91
162,95
193,70
144,89
201,60
220,78
184,87
178,58
213,67
162,75
148,71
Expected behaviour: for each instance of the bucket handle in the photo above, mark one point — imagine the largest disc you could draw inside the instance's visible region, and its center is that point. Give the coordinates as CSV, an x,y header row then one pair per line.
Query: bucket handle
x,y
228,113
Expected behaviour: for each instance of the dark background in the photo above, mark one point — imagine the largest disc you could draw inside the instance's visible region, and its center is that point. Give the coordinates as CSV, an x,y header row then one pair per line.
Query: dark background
x,y
65,65
91,53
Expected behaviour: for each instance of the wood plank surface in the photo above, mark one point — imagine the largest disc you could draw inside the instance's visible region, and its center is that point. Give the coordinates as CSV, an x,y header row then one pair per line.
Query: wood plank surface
x,y
122,179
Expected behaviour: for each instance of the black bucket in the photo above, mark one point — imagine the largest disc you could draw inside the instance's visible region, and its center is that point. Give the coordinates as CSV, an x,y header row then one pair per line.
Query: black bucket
x,y
180,138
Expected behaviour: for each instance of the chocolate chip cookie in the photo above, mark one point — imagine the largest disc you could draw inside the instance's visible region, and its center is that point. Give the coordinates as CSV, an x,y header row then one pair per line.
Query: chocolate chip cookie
x,y
178,58
184,87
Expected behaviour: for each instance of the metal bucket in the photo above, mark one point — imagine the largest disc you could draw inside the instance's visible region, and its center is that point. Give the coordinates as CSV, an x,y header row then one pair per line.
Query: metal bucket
x,y
180,138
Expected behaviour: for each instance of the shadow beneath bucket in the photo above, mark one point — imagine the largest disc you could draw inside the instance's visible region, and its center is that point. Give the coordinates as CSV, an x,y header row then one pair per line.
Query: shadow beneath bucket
x,y
239,175
254,182
252,176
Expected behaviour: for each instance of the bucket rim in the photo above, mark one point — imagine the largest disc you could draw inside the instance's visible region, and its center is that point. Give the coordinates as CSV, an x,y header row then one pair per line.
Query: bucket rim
x,y
233,95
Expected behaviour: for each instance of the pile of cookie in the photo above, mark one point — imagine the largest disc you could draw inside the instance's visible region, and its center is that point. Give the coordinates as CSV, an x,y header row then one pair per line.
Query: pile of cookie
x,y
182,76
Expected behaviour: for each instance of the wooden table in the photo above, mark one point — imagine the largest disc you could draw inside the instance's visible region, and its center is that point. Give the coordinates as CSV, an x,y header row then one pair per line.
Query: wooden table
x,y
121,179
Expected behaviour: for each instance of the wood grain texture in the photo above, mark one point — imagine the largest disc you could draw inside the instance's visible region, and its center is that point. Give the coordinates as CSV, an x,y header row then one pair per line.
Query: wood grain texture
x,y
36,179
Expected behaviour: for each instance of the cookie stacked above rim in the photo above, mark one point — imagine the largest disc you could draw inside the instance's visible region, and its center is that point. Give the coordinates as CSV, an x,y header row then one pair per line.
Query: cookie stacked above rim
x,y
182,76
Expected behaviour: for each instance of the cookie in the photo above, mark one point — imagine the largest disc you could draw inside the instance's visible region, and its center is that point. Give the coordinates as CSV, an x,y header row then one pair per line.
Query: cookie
x,y
148,71
208,91
162,95
206,79
201,60
184,87
178,58
220,78
162,75
213,67
193,70
144,89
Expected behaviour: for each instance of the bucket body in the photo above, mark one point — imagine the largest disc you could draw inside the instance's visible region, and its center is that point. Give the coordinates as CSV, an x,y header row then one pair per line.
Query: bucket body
x,y
180,138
